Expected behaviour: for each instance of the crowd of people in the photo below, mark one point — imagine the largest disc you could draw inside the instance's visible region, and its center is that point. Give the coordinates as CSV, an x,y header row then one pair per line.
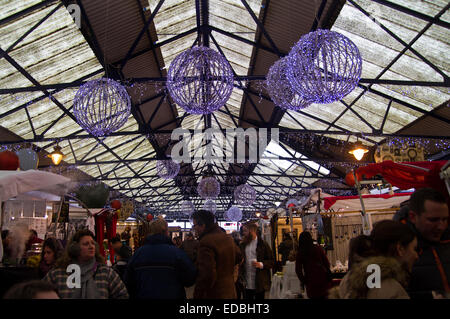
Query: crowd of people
x,y
411,254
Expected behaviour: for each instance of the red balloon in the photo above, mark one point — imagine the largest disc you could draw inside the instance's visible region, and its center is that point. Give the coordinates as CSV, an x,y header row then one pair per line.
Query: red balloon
x,y
149,217
9,161
116,204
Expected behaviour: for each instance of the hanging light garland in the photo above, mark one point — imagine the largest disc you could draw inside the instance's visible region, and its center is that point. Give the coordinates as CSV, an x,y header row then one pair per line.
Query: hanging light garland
x,y
187,207
167,169
101,106
324,66
245,195
210,205
280,89
200,80
234,214
208,188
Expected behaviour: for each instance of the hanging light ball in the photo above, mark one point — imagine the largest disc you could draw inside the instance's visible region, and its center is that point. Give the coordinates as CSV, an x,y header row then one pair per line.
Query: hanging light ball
x,y
324,66
209,205
234,214
225,216
200,80
187,207
28,159
167,169
244,195
9,161
116,204
101,106
280,89
208,188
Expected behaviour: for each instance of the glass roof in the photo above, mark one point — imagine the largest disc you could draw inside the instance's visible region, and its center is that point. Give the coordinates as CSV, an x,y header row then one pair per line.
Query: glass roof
x,y
57,52
378,49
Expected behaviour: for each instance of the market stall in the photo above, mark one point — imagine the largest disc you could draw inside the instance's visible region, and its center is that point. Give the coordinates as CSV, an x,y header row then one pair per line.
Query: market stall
x,y
344,213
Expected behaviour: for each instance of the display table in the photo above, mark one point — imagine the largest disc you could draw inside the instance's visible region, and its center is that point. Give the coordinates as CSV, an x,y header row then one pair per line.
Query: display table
x,y
286,285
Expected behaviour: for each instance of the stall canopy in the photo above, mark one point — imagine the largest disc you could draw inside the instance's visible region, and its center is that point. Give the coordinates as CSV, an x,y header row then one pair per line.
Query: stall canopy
x,y
371,202
13,183
404,175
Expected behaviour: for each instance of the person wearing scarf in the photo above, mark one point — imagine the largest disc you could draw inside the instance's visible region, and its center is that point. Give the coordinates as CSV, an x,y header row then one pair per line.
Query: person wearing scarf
x,y
97,281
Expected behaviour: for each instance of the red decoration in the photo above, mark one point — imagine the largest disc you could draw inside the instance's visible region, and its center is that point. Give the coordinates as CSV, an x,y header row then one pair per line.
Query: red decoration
x,y
9,161
404,175
291,205
100,223
149,217
116,204
350,179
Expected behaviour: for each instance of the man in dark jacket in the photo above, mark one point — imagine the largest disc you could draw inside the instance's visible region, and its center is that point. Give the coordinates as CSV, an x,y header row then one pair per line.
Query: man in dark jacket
x,y
122,257
258,261
158,269
216,257
285,248
428,217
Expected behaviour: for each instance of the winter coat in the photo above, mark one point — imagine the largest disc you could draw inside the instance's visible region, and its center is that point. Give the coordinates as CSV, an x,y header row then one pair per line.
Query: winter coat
x,y
120,267
312,270
107,280
159,270
432,270
264,255
393,280
190,247
284,249
216,257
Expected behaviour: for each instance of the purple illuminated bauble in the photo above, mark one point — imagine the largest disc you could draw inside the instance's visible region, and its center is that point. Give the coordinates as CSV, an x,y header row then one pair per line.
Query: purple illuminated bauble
x,y
280,89
187,207
208,188
244,195
234,214
167,169
324,66
101,106
200,80
210,206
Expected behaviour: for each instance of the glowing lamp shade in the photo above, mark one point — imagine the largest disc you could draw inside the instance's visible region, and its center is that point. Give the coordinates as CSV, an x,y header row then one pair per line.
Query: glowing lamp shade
x,y
359,151
56,155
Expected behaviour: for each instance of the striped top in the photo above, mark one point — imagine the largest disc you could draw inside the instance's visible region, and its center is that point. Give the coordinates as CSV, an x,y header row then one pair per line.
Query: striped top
x,y
108,282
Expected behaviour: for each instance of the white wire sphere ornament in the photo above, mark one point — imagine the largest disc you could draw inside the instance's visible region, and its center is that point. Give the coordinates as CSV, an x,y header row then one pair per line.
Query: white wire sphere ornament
x,y
234,214
208,187
200,80
101,106
324,66
187,207
210,206
280,89
244,195
225,216
167,169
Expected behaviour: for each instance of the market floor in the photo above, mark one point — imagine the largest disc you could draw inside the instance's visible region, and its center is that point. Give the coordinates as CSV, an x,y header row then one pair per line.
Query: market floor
x,y
190,293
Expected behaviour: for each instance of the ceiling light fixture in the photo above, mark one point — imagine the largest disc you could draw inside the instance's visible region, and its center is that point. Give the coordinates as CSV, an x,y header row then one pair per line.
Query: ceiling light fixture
x,y
56,155
359,150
